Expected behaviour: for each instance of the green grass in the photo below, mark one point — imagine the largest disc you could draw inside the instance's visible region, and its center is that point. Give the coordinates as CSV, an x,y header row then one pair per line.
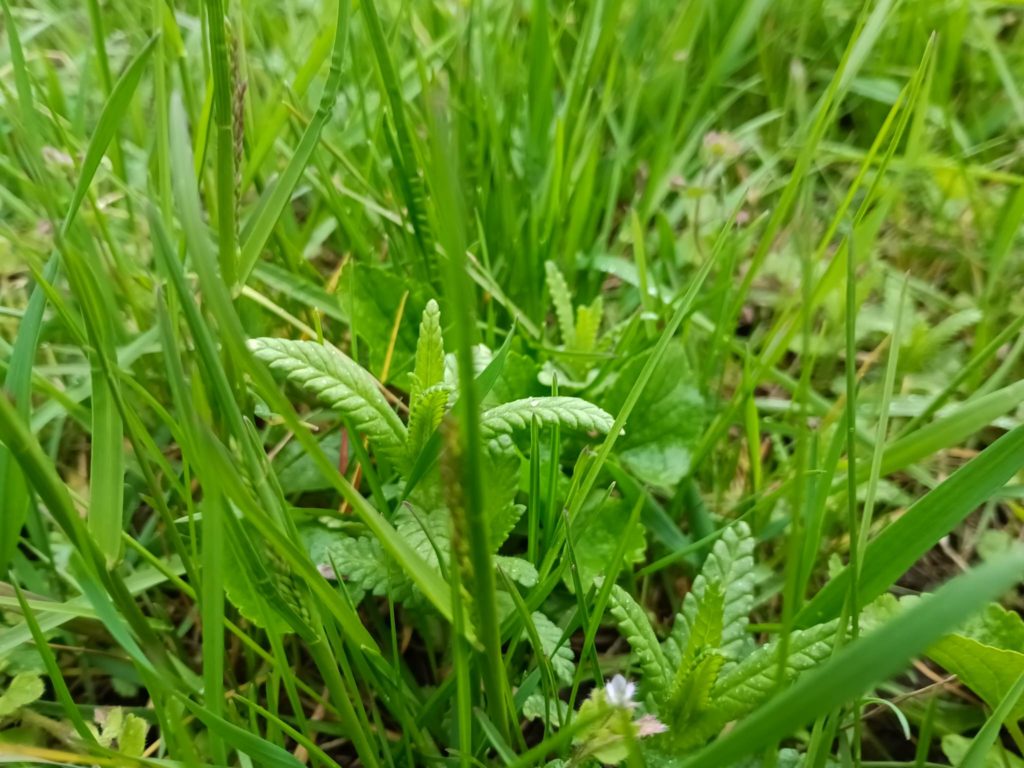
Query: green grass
x,y
676,340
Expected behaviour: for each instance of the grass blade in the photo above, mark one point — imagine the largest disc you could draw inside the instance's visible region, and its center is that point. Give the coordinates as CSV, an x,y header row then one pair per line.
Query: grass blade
x,y
934,515
274,200
977,753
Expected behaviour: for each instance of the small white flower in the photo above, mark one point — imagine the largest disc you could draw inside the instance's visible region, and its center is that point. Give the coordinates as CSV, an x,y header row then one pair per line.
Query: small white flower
x,y
619,692
648,725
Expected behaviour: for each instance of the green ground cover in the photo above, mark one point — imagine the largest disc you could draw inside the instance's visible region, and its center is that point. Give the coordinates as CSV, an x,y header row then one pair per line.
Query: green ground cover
x,y
511,383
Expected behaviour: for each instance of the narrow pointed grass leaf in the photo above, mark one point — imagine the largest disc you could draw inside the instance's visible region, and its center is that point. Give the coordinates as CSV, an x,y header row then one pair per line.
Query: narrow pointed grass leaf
x,y
109,123
106,493
890,554
265,753
232,337
224,136
276,197
60,686
952,429
17,382
464,441
978,752
17,386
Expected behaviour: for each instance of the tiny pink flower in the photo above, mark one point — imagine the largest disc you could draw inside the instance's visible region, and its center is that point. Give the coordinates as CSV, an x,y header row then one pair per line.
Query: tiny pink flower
x,y
327,571
648,725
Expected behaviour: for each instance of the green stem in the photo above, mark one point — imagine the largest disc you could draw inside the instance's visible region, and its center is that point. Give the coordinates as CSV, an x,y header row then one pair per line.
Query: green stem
x,y
224,121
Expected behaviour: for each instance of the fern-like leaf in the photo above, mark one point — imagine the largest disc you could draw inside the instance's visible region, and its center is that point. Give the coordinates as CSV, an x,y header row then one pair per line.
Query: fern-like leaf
x,y
636,627
339,382
562,300
425,414
692,711
690,693
741,690
588,324
429,369
363,562
571,412
730,567
749,683
428,533
501,467
561,655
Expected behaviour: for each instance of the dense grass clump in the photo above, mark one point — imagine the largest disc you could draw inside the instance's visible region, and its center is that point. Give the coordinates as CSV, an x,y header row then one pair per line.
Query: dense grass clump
x,y
511,383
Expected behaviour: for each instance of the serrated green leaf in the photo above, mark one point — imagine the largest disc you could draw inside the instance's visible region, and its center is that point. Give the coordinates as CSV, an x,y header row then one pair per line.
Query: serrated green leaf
x,y
425,414
705,630
876,656
22,690
636,627
562,301
429,533
429,369
502,471
691,712
743,687
588,324
113,724
251,602
560,654
337,381
362,561
571,412
729,567
996,626
482,358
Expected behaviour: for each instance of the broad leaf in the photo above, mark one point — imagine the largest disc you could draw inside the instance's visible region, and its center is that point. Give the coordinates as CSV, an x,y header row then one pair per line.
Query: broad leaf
x,y
588,324
955,748
22,690
551,711
988,671
516,568
597,532
666,422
